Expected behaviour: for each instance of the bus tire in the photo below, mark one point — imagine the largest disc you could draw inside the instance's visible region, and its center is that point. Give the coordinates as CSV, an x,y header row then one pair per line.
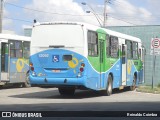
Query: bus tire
x,y
66,91
133,87
109,87
27,82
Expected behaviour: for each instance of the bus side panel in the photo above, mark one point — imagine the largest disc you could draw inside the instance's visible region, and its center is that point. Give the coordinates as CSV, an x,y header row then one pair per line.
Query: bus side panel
x,y
45,70
93,79
131,70
18,69
116,70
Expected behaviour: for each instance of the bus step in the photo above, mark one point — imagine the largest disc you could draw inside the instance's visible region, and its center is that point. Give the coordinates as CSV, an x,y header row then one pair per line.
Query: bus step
x,y
121,87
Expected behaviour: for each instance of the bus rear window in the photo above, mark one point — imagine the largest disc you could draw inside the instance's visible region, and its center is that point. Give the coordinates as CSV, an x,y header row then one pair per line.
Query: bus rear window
x,y
67,57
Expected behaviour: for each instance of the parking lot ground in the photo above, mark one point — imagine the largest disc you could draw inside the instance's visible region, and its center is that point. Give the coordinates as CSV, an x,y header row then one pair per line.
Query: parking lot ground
x,y
49,99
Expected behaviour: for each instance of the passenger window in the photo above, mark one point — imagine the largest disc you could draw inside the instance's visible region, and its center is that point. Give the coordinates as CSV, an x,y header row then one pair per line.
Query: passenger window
x,y
129,49
112,47
92,43
26,49
15,49
135,50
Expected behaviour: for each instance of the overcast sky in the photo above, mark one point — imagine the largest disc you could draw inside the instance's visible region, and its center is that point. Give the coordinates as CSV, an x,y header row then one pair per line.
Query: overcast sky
x,y
18,14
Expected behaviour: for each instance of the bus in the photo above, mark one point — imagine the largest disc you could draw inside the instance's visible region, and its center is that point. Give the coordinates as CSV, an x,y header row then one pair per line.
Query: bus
x,y
73,55
14,59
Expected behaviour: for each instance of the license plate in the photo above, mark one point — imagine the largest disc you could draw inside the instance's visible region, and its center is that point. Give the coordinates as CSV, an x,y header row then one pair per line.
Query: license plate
x,y
56,71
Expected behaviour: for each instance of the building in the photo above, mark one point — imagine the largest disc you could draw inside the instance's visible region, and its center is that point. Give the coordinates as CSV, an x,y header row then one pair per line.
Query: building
x,y
28,31
145,33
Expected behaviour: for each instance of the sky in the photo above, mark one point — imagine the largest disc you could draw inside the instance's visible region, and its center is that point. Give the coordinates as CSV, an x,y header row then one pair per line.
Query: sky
x,y
19,14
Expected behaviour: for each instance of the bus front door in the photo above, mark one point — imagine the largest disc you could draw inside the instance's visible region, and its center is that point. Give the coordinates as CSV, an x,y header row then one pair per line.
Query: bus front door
x,y
4,62
124,64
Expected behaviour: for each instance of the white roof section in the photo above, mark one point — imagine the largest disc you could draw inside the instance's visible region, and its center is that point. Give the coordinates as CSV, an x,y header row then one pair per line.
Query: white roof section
x,y
14,37
92,27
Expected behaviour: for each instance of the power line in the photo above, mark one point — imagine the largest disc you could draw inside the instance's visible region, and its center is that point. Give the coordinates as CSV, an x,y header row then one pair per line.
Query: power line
x,y
42,11
57,13
146,18
18,19
122,20
120,4
116,19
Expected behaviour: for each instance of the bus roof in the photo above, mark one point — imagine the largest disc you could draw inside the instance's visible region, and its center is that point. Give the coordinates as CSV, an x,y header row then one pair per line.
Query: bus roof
x,y
94,28
14,37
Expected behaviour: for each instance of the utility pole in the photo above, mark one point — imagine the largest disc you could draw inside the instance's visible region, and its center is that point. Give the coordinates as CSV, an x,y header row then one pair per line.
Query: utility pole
x,y
104,22
1,14
105,12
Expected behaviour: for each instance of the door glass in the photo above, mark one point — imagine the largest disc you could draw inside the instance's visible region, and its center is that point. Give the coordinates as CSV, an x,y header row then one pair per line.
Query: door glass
x,y
4,57
101,51
123,54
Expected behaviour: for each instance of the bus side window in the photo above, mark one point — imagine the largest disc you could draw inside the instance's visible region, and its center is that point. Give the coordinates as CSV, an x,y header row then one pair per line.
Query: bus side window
x,y
129,49
108,48
135,50
15,49
92,43
113,47
26,49
123,54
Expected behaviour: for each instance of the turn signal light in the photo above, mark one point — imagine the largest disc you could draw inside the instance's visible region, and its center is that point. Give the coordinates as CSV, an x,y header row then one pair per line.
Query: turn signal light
x,y
31,64
82,64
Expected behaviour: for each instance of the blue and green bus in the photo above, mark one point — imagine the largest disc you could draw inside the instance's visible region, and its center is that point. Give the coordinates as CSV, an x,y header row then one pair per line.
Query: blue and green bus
x,y
72,55
14,59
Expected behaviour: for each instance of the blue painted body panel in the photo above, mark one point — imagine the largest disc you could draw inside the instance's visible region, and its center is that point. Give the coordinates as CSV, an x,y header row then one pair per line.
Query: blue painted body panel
x,y
45,71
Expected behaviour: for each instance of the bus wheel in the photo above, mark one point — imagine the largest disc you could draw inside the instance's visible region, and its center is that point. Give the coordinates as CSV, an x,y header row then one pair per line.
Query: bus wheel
x,y
133,87
27,82
66,91
109,87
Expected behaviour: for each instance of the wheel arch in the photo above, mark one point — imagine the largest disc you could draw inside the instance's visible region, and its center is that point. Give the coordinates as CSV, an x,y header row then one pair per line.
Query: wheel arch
x,y
111,74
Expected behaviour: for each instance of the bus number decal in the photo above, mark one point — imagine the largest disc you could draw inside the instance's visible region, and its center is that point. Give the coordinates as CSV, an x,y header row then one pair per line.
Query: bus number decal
x,y
43,55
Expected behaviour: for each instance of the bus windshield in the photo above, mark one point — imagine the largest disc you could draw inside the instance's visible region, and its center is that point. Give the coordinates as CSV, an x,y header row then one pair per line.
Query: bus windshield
x,y
57,35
